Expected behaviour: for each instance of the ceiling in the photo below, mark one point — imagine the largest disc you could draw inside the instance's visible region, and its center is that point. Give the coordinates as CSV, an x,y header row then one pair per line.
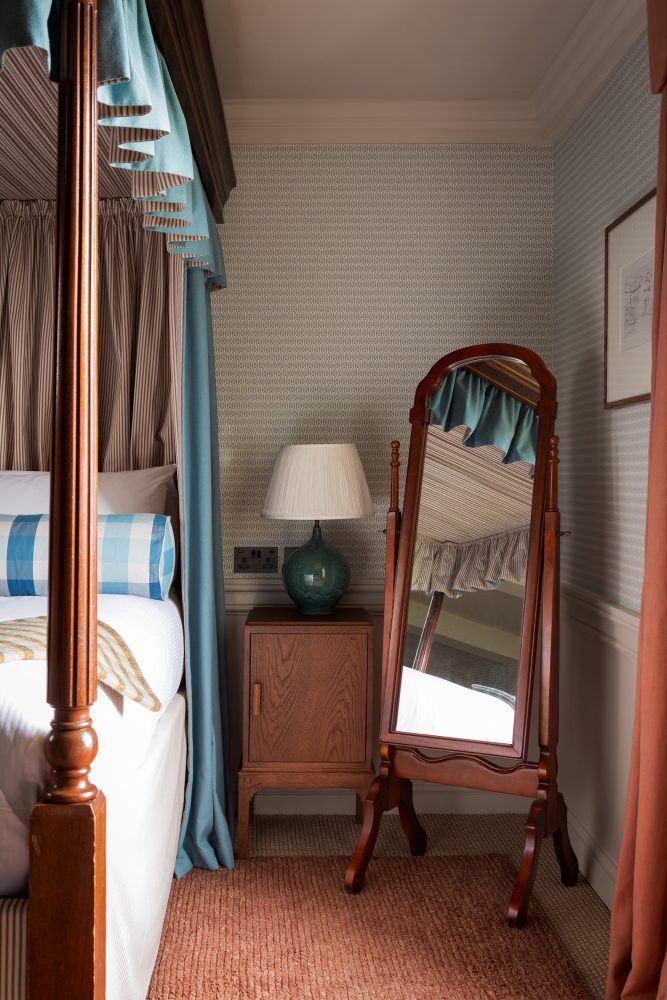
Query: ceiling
x,y
428,70
425,49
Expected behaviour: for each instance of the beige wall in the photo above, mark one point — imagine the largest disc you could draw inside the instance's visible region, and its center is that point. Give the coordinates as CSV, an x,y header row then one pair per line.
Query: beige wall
x,y
352,269
603,164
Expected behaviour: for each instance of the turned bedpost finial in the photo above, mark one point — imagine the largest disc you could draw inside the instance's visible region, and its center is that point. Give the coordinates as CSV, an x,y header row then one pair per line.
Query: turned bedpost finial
x,y
395,465
552,473
70,749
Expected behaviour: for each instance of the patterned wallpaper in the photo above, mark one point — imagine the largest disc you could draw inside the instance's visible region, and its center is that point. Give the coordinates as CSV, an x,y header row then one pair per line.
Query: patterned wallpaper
x,y
351,269
603,164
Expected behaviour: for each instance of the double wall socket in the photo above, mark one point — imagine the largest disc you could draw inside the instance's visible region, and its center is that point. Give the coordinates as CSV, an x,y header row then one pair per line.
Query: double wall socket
x,y
249,560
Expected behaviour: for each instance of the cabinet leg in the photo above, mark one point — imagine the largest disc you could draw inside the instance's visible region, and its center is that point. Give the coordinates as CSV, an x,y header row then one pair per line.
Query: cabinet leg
x,y
243,819
567,859
384,794
412,828
535,831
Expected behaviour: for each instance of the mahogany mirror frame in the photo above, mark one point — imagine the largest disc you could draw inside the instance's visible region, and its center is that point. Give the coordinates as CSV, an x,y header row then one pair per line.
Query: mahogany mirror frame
x,y
420,419
467,763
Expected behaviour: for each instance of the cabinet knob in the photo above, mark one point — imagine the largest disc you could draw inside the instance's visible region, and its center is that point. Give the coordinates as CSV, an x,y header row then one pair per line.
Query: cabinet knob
x,y
256,698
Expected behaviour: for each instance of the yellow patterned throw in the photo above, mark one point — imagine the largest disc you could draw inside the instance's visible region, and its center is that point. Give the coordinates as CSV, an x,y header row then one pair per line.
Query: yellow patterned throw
x,y
25,639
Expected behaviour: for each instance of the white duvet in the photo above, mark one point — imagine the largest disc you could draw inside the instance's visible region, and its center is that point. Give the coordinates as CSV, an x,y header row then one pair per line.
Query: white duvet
x,y
434,706
154,633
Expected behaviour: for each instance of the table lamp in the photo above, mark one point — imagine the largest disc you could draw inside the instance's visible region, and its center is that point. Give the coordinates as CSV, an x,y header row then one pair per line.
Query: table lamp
x,y
320,482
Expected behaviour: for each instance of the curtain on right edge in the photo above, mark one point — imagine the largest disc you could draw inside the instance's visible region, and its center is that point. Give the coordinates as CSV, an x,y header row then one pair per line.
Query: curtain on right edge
x,y
638,957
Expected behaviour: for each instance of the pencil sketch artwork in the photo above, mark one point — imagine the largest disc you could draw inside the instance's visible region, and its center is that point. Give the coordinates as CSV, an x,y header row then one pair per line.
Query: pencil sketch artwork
x,y
636,301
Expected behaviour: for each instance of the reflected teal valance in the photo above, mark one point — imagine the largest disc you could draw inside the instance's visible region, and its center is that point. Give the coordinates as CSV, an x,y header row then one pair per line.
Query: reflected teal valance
x,y
136,99
492,416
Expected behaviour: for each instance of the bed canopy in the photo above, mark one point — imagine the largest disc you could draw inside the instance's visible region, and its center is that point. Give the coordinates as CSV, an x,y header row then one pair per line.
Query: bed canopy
x,y
453,556
146,133
145,154
491,415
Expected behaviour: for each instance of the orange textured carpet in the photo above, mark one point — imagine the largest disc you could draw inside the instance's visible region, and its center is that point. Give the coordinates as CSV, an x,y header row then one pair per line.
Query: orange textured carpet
x,y
422,929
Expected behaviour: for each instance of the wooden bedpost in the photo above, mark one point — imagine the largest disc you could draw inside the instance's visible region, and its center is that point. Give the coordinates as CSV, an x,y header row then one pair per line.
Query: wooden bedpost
x,y
67,831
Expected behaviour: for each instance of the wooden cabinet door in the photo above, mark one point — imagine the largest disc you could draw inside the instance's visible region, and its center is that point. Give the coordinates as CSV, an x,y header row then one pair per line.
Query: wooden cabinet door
x,y
308,698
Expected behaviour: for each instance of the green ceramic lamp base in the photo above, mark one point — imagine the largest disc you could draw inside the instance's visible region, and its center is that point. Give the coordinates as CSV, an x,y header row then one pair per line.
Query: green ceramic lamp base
x,y
316,576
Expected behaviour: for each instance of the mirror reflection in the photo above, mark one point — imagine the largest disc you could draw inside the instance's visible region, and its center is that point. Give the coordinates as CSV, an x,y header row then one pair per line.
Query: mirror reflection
x,y
462,641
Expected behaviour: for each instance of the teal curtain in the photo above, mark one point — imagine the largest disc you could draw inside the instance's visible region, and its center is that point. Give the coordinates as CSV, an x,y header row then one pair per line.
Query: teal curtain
x,y
491,415
205,840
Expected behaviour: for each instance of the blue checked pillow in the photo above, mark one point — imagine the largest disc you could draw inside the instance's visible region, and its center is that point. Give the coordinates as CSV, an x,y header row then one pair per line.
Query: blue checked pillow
x,y
135,555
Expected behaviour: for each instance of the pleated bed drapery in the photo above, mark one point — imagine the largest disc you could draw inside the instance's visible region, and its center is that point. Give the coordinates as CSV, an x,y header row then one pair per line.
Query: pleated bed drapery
x,y
140,343
139,104
141,321
457,568
27,242
492,416
638,957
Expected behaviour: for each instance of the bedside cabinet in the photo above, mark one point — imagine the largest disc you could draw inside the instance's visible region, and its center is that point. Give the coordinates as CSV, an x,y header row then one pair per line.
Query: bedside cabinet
x,y
307,703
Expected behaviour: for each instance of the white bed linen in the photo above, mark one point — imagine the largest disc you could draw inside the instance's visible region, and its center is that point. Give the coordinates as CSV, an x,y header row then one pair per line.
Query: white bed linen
x,y
434,706
144,814
142,836
154,633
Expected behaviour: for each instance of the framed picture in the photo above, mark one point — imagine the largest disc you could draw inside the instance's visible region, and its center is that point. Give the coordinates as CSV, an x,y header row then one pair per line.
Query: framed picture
x,y
629,249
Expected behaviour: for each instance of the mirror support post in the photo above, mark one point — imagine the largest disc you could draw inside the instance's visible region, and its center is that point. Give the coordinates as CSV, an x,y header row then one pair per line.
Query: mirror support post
x,y
548,813
392,532
386,792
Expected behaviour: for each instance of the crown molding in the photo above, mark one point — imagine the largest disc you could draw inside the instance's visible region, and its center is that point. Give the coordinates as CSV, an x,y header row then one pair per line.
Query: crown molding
x,y
595,47
381,121
593,50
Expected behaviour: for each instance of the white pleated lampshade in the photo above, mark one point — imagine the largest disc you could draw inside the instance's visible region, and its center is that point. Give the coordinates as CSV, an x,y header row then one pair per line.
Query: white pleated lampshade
x,y
318,482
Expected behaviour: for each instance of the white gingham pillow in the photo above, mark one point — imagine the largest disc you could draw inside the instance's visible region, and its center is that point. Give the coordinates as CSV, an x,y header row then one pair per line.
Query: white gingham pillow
x,y
135,555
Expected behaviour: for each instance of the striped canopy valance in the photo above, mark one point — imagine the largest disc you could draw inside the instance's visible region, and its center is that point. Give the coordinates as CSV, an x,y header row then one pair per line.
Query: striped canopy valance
x,y
138,102
493,417
456,569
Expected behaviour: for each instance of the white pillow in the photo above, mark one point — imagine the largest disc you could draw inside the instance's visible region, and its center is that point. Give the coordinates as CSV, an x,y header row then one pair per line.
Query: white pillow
x,y
143,491
24,492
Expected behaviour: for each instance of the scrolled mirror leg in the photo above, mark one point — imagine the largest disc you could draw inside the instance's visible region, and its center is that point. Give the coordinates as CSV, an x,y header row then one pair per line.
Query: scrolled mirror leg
x,y
412,828
567,859
383,795
535,833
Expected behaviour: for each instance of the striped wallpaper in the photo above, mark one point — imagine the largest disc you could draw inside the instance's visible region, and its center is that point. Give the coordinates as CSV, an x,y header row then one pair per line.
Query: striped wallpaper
x,y
602,165
351,270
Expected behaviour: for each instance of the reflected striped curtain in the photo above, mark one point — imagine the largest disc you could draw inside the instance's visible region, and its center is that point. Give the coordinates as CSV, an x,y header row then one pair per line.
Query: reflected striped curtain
x,y
141,328
27,239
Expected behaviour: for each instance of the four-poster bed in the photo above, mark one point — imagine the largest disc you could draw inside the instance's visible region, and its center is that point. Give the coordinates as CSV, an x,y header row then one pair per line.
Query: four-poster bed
x,y
67,933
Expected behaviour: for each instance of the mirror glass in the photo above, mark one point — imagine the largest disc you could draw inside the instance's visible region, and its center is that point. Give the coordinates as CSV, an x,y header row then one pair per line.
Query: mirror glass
x,y
464,618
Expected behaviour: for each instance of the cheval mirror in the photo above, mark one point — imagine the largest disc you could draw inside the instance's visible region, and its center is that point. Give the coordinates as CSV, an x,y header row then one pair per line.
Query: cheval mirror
x,y
471,600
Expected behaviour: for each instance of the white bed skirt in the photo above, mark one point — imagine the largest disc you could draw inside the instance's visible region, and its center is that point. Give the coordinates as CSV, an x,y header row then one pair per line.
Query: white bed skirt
x,y
143,821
